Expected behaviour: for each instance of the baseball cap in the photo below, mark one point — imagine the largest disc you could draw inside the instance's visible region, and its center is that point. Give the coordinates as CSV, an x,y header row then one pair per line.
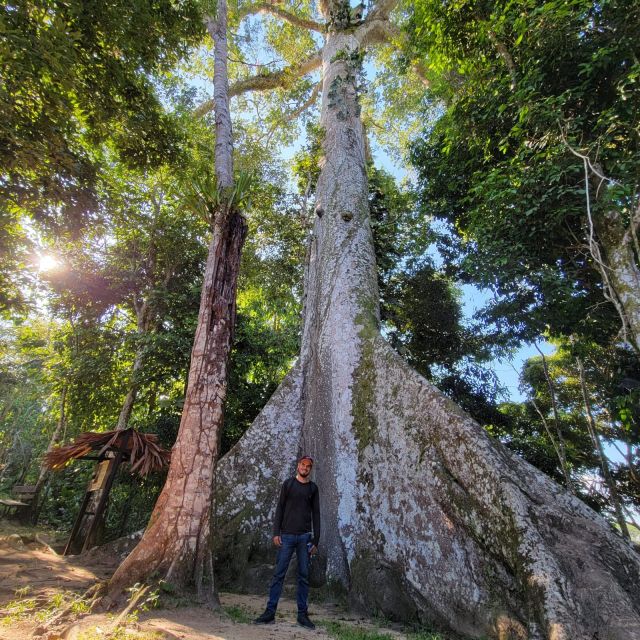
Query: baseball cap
x,y
306,458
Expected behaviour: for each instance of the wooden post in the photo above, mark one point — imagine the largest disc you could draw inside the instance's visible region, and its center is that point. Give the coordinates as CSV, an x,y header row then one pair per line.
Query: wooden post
x,y
102,481
114,464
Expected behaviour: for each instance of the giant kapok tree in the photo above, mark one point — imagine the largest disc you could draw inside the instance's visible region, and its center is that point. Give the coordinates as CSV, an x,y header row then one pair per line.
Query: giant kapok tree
x,y
424,515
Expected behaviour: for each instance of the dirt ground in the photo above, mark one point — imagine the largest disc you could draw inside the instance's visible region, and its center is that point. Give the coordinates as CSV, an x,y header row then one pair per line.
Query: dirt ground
x,y
33,575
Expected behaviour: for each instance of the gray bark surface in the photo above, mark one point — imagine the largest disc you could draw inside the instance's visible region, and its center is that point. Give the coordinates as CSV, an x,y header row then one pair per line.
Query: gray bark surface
x,y
424,516
248,480
621,273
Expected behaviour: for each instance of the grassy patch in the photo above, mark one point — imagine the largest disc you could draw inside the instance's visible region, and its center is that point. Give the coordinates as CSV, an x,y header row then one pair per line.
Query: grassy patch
x,y
18,610
342,631
39,609
238,614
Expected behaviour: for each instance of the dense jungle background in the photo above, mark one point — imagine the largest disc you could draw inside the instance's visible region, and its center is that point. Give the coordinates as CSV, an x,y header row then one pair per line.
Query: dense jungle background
x,y
510,163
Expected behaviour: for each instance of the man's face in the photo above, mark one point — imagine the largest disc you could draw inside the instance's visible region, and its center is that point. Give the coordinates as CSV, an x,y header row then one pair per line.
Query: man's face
x,y
304,468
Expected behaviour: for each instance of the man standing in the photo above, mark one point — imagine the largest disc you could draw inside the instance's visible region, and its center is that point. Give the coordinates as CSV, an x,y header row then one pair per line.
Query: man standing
x,y
298,509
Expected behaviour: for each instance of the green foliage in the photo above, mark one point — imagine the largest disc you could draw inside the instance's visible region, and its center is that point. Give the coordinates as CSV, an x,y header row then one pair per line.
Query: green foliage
x,y
205,199
238,614
292,43
519,81
78,77
31,366
426,635
306,163
76,72
519,85
33,609
556,406
400,234
64,494
269,304
420,306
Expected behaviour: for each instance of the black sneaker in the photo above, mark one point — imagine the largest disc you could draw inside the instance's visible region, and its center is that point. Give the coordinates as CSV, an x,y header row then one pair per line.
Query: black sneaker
x,y
303,621
268,617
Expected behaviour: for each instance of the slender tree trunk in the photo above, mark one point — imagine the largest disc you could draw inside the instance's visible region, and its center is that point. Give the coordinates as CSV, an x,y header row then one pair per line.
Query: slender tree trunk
x,y
91,536
558,446
177,544
132,393
424,516
143,312
45,473
604,462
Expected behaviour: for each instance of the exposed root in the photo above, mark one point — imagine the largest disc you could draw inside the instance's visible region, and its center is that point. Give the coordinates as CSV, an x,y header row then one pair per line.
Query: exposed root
x,y
66,619
449,526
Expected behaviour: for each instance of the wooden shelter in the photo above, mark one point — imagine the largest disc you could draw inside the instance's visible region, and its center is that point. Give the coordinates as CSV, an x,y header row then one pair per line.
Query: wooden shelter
x,y
110,449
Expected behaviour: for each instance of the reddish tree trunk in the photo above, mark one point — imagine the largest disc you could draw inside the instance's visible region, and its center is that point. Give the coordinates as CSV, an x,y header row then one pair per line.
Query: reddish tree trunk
x,y
176,544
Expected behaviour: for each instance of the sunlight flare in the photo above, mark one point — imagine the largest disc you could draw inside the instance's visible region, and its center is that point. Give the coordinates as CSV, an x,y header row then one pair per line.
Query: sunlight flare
x,y
47,262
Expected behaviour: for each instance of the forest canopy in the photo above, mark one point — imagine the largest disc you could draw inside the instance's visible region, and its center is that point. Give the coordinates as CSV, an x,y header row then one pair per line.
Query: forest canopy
x,y
515,129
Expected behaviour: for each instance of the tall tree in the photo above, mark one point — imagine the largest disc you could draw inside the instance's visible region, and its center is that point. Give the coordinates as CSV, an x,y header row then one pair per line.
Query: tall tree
x,y
77,75
482,542
539,138
176,545
150,253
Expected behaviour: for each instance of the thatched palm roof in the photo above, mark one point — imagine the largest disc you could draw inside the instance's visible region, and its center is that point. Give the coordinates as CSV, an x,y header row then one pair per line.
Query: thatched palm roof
x,y
141,450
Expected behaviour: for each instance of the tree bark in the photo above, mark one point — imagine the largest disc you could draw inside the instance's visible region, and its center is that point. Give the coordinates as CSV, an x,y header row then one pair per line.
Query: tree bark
x,y
424,516
176,545
602,457
621,273
45,472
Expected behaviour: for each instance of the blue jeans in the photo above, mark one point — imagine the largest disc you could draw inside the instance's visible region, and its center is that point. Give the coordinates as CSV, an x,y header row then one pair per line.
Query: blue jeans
x,y
290,543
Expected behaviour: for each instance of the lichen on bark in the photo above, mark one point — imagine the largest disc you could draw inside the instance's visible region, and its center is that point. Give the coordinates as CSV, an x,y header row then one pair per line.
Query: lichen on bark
x,y
459,532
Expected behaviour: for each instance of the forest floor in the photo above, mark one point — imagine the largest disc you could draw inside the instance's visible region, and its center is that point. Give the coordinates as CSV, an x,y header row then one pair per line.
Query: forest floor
x,y
37,584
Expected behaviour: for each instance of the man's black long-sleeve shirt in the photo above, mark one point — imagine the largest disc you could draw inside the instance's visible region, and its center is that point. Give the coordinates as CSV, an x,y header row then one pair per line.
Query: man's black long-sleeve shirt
x,y
298,506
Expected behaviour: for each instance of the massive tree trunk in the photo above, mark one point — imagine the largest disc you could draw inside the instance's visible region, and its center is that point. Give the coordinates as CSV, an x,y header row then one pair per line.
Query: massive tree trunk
x,y
176,545
424,516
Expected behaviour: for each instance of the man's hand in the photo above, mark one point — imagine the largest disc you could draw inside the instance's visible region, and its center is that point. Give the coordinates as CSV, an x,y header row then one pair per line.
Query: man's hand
x,y
313,550
277,540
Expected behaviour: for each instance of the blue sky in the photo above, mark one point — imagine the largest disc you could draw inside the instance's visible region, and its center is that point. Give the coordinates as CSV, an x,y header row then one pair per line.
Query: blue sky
x,y
473,299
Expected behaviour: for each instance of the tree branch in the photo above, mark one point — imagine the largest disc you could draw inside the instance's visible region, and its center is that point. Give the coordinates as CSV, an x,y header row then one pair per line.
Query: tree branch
x,y
305,105
503,52
283,14
377,29
263,82
288,117
382,10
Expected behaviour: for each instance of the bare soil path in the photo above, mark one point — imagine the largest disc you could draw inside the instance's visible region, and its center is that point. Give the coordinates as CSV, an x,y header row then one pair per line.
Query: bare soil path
x,y
34,579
